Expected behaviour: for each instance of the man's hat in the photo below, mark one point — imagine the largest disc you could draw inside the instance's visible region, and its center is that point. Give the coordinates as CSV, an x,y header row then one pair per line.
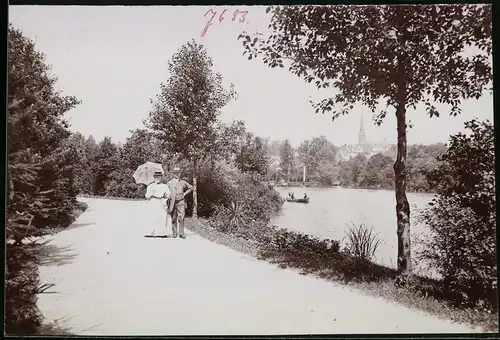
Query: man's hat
x,y
176,169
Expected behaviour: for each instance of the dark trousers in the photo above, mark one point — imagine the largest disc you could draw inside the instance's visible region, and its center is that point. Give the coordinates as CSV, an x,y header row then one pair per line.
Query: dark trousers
x,y
178,214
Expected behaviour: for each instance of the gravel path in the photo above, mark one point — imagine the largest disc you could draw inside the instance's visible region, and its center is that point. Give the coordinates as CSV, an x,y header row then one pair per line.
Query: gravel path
x,y
116,282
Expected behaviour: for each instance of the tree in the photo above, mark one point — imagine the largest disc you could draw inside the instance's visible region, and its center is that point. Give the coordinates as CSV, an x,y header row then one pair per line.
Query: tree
x,y
40,175
273,148
398,55
328,173
316,153
141,147
357,165
462,217
106,161
373,173
185,112
252,155
77,142
229,139
287,157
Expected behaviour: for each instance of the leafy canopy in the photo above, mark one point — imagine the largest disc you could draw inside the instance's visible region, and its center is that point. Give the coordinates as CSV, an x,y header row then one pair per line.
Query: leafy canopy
x,y
462,217
185,112
371,54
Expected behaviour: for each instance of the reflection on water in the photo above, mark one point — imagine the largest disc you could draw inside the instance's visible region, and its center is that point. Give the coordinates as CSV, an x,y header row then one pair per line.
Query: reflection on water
x,y
330,209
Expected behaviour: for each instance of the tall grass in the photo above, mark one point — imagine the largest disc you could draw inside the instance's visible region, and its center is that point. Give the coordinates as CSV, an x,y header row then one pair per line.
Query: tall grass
x,y
361,242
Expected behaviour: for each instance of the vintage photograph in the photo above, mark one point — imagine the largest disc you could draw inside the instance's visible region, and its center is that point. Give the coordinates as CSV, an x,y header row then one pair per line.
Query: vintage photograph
x,y
250,170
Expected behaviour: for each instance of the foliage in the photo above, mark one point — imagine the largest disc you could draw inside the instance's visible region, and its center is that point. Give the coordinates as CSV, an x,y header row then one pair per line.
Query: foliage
x,y
214,186
286,154
363,51
233,217
141,147
41,169
122,184
292,241
327,174
184,115
462,217
401,55
312,254
21,289
362,244
230,139
247,204
316,153
251,156
361,171
185,112
422,161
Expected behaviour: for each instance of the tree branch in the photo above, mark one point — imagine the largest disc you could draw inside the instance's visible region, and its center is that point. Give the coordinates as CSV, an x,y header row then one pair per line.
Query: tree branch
x,y
16,104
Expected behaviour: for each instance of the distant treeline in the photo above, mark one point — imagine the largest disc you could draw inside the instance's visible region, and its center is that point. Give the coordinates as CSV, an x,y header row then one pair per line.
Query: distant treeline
x,y
324,166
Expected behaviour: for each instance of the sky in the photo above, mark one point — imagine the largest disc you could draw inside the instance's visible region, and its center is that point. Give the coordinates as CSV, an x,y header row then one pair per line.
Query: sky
x,y
114,58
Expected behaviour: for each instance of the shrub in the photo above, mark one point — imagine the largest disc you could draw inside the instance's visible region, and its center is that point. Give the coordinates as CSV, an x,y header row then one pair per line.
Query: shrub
x,y
21,288
297,242
122,184
213,188
462,218
239,196
41,164
362,244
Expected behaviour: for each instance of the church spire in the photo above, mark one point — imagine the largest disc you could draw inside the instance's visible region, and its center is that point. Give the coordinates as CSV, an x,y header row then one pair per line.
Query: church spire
x,y
361,134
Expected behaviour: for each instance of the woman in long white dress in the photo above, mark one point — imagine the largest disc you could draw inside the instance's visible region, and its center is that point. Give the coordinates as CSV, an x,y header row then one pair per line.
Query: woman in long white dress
x,y
158,195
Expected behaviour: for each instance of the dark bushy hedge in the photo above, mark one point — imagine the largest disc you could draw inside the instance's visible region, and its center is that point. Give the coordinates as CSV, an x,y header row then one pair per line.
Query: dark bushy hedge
x,y
41,183
21,288
462,217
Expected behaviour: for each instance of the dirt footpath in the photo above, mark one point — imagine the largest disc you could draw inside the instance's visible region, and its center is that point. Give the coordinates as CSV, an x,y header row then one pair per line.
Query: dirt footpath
x,y
116,282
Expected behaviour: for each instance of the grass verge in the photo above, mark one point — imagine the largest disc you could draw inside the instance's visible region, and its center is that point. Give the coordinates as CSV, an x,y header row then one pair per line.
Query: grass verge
x,y
311,256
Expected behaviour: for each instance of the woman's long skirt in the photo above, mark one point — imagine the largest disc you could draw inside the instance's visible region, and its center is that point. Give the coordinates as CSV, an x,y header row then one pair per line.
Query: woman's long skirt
x,y
160,222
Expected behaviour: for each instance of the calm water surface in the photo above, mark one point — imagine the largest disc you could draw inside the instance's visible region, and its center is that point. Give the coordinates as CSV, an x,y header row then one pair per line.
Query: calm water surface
x,y
330,209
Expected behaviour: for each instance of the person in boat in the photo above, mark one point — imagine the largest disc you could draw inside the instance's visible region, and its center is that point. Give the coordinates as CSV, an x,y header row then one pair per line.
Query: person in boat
x,y
305,196
292,196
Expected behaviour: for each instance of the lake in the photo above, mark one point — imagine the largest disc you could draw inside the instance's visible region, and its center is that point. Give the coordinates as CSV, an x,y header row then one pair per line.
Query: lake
x,y
331,209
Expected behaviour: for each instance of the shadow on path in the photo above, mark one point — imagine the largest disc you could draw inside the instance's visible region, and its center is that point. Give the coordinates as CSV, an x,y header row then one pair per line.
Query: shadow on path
x,y
53,255
79,225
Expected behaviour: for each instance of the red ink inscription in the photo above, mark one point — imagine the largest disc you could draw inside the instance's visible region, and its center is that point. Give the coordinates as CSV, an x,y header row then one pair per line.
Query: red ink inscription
x,y
209,22
243,14
236,13
221,16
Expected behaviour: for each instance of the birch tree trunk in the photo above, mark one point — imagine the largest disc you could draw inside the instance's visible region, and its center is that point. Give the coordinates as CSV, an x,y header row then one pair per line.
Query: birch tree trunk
x,y
195,195
402,206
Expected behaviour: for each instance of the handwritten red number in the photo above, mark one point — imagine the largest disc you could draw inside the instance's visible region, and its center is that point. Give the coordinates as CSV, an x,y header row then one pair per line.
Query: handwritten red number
x,y
221,16
235,14
243,13
209,22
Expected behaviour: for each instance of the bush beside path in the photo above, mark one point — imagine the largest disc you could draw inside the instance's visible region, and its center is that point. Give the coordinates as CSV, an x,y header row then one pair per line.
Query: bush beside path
x,y
116,282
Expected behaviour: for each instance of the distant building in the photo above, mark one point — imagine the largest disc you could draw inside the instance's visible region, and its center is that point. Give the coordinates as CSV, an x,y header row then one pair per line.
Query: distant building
x,y
348,151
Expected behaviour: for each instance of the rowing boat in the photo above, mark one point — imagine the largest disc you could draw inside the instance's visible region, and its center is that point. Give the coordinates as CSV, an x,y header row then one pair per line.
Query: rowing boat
x,y
298,200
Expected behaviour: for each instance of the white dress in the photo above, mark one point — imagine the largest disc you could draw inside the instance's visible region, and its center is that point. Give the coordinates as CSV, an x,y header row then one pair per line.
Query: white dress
x,y
160,221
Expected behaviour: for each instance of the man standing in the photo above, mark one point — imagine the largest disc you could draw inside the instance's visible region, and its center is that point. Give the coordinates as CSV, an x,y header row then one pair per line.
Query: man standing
x,y
179,189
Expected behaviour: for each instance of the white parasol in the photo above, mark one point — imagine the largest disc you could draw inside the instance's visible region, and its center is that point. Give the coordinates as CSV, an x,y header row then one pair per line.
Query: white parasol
x,y
145,172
